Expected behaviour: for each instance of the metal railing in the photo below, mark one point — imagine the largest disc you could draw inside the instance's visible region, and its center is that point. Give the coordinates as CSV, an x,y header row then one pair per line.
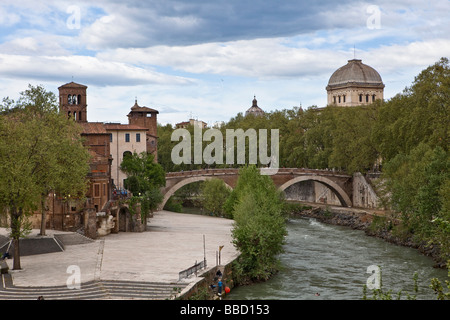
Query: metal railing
x,y
191,270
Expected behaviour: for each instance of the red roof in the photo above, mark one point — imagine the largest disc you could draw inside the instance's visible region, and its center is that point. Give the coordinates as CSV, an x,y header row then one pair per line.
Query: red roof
x,y
129,127
93,127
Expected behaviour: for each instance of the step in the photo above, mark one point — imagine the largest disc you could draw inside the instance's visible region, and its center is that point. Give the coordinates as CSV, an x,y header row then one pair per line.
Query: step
x,y
96,290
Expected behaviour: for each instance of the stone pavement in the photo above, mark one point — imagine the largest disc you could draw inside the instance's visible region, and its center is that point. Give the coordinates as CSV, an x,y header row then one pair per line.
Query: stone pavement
x,y
173,242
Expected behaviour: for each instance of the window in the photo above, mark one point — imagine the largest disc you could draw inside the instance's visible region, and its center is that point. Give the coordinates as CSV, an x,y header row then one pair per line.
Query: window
x,y
334,99
79,99
373,98
360,98
110,137
339,99
138,137
367,98
97,190
343,97
104,189
127,137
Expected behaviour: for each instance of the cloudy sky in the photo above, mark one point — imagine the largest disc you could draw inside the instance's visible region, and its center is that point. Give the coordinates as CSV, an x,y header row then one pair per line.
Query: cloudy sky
x,y
207,59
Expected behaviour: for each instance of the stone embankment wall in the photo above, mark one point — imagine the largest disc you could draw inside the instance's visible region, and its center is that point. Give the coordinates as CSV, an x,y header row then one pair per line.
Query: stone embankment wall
x,y
364,195
202,288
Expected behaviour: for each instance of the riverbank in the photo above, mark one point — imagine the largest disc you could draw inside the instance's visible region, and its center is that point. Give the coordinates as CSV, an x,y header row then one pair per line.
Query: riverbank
x,y
374,223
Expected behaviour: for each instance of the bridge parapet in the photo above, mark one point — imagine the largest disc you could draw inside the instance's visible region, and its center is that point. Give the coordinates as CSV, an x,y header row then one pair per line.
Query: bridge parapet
x,y
231,171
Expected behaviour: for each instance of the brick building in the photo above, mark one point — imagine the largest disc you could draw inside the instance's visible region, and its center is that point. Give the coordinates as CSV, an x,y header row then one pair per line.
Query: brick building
x,y
106,143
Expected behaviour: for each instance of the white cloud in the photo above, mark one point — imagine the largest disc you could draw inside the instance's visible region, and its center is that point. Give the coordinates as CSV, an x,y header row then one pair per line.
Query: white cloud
x,y
90,69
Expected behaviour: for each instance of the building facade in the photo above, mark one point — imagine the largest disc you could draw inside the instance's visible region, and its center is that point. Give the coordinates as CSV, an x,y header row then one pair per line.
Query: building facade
x,y
124,139
191,122
107,143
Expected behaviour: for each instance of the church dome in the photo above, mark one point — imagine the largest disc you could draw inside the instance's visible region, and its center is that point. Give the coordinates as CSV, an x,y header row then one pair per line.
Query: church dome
x,y
254,109
355,73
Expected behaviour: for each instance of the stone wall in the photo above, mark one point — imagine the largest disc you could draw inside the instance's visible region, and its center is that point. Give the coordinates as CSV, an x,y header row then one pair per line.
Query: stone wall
x,y
364,195
202,288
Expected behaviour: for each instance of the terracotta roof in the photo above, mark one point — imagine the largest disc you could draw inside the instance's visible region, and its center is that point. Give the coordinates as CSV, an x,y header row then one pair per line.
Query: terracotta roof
x,y
72,85
138,108
117,126
93,128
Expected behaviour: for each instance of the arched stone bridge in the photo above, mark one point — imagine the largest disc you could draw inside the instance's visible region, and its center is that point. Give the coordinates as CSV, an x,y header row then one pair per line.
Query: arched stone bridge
x,y
339,183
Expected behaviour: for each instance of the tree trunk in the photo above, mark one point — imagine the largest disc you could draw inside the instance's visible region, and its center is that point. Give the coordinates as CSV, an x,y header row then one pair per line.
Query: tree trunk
x,y
16,261
43,217
15,234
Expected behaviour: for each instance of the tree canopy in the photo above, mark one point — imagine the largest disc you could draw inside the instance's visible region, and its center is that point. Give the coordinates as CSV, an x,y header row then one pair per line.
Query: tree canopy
x,y
40,151
145,178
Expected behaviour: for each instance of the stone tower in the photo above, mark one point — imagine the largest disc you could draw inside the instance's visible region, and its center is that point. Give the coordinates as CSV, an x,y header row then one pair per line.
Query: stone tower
x,y
147,118
73,101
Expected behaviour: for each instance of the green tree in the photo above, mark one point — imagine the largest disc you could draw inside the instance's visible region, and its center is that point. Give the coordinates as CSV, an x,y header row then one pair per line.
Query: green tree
x,y
145,178
40,151
417,184
260,226
214,194
353,147
418,115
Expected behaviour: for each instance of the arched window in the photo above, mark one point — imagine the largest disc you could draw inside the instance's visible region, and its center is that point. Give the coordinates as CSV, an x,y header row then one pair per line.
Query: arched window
x,y
127,154
74,99
343,97
69,99
360,98
367,98
75,115
339,97
79,99
373,98
334,99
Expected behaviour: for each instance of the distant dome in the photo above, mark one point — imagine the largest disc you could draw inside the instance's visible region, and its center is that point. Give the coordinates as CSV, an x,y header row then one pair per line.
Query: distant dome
x,y
355,73
254,109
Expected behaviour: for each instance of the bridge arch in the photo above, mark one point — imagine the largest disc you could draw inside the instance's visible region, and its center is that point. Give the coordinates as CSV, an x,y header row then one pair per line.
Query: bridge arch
x,y
340,193
184,182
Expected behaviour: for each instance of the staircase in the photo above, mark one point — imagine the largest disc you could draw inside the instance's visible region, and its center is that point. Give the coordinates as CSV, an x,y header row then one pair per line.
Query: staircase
x,y
93,290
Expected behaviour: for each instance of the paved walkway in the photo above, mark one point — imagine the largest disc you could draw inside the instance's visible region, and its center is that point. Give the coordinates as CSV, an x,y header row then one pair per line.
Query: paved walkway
x,y
172,243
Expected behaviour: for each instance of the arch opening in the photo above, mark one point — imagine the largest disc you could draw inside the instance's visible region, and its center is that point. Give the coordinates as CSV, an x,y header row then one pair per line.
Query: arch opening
x,y
170,192
344,199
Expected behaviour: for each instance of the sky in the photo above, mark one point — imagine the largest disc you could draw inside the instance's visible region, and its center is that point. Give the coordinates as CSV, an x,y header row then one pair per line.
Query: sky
x,y
208,59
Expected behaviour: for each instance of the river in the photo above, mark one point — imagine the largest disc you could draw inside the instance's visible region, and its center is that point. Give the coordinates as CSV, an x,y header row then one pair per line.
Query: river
x,y
332,261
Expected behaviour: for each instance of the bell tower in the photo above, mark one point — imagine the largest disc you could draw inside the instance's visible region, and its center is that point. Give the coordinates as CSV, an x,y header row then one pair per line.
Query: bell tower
x,y
72,101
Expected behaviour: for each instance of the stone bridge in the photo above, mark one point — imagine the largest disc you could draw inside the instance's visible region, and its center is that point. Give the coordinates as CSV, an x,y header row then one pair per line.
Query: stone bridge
x,y
341,185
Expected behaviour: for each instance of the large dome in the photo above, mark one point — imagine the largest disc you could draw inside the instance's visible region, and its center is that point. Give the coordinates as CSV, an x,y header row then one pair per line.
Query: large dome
x,y
355,73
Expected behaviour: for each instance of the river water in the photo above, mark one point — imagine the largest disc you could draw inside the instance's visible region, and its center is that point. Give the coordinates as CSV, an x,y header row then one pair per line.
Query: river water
x,y
333,260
